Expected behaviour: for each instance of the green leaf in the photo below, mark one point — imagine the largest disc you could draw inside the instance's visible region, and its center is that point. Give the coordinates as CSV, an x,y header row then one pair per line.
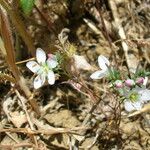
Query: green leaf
x,y
113,74
142,73
27,6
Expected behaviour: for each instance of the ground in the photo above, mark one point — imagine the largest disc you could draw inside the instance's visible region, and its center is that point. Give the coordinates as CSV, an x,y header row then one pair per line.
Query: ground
x,y
62,116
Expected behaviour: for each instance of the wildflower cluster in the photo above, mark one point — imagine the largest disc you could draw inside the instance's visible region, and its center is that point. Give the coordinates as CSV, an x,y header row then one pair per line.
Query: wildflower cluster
x,y
133,90
65,61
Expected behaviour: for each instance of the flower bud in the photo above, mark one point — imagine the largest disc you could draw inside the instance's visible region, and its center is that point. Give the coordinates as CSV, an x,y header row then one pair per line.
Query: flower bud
x,y
140,80
50,55
118,84
129,82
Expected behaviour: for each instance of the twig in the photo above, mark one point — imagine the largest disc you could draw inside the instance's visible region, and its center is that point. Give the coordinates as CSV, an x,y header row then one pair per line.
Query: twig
x,y
19,62
122,35
48,22
22,99
14,146
14,139
51,131
104,26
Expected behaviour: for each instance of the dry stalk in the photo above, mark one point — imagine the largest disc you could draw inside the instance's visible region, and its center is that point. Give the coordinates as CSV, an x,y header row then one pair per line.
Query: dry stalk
x,y
104,30
92,26
22,99
51,131
122,35
8,51
103,24
48,22
10,136
12,147
19,62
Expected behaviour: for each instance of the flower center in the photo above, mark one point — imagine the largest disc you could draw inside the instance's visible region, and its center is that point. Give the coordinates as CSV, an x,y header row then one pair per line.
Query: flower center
x,y
44,68
134,96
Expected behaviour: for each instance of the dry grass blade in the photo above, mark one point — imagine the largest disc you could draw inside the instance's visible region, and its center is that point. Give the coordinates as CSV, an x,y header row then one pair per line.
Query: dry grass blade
x,y
22,99
92,26
51,131
8,43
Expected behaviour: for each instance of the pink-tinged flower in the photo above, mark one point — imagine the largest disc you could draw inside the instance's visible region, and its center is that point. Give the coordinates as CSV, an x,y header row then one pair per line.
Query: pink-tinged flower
x,y
129,83
136,98
140,80
118,84
103,63
43,68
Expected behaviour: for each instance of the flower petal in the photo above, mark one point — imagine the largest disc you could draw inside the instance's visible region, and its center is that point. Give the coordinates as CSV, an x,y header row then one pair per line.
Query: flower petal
x,y
145,95
33,66
39,81
51,77
98,74
103,62
129,106
81,62
145,81
52,61
40,56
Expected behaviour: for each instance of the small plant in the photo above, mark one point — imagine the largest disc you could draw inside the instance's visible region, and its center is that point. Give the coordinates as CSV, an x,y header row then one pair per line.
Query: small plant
x,y
133,91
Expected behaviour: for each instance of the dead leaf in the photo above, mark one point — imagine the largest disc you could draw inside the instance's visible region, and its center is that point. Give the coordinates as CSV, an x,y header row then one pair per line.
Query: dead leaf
x,y
17,118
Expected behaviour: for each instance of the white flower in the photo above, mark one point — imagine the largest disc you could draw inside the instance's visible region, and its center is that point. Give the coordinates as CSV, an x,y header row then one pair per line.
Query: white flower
x,y
103,63
43,68
136,98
